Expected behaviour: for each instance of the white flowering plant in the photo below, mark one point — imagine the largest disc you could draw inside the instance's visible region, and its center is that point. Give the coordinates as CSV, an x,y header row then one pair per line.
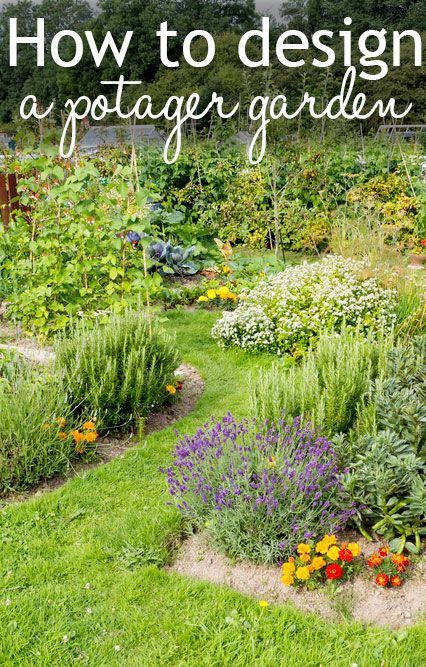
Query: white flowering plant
x,y
286,313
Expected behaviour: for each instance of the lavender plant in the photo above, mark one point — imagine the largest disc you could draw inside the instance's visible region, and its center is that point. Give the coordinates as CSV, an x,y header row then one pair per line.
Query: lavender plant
x,y
258,488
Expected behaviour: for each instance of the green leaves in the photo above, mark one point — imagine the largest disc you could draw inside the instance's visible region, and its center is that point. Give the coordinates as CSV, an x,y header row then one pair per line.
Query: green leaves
x,y
388,465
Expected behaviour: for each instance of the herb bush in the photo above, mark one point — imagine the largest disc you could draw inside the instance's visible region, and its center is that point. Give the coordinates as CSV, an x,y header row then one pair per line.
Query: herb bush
x,y
33,409
386,452
330,386
260,489
117,371
288,312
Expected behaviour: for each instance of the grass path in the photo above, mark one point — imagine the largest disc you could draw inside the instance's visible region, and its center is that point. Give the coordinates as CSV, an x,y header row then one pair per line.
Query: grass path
x,y
81,578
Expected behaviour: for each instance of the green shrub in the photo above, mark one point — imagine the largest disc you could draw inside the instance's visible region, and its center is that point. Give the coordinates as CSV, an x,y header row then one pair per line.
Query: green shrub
x,y
288,312
328,388
33,409
388,463
118,371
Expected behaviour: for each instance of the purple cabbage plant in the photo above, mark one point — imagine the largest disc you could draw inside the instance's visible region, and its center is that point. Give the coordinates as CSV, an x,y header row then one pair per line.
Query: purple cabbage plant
x,y
259,488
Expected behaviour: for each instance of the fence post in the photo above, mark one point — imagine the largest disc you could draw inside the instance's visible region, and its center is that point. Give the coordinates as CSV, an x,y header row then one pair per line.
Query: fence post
x,y
4,201
13,192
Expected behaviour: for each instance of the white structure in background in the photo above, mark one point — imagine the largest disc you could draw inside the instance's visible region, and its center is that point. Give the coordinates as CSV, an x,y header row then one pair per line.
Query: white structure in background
x,y
242,137
120,135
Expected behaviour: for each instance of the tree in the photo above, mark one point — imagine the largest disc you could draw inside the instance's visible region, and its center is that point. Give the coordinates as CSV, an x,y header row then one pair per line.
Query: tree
x,y
27,78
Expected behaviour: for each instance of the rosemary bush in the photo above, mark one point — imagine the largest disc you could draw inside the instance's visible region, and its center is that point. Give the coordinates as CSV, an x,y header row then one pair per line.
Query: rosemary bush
x,y
117,371
32,410
328,388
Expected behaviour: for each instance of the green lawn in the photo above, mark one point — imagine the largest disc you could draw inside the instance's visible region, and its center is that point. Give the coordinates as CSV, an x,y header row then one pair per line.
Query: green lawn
x,y
85,564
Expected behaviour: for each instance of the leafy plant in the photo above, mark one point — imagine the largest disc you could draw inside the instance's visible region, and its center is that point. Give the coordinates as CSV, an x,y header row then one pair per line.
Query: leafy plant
x,y
259,489
329,387
173,260
387,462
33,409
288,312
117,371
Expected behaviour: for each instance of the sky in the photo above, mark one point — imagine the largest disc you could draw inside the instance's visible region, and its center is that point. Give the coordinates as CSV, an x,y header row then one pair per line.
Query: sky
x,y
269,6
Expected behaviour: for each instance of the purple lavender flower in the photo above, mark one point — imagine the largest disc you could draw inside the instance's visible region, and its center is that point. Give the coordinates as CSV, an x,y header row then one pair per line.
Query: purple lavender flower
x,y
261,488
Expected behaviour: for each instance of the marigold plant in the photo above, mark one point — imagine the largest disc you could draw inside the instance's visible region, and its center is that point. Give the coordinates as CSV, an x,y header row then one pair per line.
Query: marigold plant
x,y
390,568
327,560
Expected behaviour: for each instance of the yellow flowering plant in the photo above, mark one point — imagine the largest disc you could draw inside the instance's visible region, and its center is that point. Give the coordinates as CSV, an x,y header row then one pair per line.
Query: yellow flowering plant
x,y
222,296
321,562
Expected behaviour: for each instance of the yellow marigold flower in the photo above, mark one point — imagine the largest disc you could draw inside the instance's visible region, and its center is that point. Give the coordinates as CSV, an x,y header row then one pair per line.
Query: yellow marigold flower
x,y
288,568
317,563
333,553
287,580
89,426
92,436
62,435
211,293
305,558
223,292
78,436
302,573
46,427
263,604
171,389
232,297
203,299
324,544
61,422
354,548
322,547
303,548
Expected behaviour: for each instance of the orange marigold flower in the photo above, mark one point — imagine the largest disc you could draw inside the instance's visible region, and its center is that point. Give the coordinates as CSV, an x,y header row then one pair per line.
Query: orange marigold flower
x,y
396,580
62,435
287,579
346,555
171,389
92,436
400,559
46,426
89,426
288,568
375,560
382,579
383,551
78,436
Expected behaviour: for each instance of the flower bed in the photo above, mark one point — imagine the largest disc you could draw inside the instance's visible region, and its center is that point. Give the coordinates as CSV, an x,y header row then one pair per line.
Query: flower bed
x,y
286,313
259,489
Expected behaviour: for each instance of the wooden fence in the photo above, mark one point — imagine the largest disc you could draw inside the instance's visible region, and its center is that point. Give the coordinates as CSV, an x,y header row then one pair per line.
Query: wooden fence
x,y
9,197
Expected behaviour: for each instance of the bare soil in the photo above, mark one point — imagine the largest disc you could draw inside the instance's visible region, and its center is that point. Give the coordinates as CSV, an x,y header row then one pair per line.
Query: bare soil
x,y
361,600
